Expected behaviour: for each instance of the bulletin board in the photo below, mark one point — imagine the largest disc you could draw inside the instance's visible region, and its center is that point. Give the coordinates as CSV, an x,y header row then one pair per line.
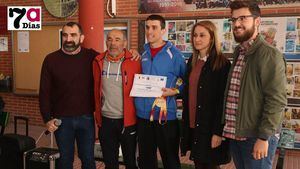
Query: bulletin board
x,y
291,116
180,6
28,57
179,33
281,32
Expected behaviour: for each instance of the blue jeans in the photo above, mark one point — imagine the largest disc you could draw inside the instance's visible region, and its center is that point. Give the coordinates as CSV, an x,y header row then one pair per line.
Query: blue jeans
x,y
241,152
81,129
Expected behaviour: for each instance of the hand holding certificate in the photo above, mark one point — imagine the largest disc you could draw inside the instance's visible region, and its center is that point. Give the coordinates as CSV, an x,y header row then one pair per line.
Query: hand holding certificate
x,y
148,85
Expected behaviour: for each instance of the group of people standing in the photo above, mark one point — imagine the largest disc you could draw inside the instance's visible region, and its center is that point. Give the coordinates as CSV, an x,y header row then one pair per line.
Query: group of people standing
x,y
231,110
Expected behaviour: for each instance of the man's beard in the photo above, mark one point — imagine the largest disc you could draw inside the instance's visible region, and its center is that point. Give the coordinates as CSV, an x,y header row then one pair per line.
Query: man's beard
x,y
71,46
246,36
114,53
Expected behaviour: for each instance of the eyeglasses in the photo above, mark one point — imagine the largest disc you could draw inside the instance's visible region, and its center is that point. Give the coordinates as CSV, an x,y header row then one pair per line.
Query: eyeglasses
x,y
240,18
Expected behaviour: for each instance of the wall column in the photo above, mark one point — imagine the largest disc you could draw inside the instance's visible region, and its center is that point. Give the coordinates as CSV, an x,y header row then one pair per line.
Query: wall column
x,y
91,18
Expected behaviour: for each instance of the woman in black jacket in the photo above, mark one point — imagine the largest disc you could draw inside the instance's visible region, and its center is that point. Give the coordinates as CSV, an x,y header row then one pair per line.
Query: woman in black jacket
x,y
203,100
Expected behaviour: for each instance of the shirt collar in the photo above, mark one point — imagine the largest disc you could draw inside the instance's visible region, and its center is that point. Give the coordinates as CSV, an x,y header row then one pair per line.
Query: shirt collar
x,y
203,58
245,46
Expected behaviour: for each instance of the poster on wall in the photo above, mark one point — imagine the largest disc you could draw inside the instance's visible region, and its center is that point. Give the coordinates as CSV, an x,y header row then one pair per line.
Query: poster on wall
x,y
293,83
179,33
271,28
3,44
171,6
292,37
281,32
291,121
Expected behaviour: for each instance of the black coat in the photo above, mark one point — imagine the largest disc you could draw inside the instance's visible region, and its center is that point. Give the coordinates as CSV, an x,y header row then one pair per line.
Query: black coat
x,y
210,95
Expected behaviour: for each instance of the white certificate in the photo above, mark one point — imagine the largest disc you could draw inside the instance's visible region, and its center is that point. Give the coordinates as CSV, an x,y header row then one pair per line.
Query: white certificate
x,y
148,85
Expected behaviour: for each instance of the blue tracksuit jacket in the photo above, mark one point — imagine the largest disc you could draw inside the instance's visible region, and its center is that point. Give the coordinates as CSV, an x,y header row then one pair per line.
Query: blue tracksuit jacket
x,y
168,62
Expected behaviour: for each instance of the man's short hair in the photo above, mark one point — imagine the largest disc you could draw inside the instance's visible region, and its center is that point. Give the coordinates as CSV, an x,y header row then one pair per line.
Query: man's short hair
x,y
251,5
122,31
158,18
72,24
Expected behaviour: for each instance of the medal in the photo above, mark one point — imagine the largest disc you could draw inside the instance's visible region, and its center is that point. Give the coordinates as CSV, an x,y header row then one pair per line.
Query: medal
x,y
161,103
178,82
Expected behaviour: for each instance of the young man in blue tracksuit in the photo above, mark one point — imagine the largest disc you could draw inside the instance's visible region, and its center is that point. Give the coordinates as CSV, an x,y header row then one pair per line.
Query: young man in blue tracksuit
x,y
156,128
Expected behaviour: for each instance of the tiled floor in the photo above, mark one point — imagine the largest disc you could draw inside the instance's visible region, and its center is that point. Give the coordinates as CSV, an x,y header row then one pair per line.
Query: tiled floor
x,y
291,161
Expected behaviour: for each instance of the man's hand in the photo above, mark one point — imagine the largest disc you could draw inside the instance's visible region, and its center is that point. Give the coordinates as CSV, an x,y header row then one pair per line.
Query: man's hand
x,y
168,92
51,126
260,149
135,54
216,141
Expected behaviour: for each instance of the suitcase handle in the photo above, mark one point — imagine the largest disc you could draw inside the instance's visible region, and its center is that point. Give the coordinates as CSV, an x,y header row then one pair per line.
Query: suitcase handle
x,y
16,118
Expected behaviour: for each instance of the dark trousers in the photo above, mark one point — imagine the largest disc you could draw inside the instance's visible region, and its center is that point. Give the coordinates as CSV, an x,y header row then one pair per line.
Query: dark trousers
x,y
200,165
111,134
152,135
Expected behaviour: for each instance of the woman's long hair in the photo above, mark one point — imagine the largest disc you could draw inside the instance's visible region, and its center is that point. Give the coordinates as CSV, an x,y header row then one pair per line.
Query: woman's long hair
x,y
214,51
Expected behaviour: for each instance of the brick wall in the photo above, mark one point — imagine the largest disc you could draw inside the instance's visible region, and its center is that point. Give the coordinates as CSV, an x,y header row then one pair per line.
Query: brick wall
x,y
126,9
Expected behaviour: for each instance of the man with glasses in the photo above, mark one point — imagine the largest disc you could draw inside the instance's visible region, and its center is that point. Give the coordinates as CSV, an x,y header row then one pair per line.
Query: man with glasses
x,y
255,95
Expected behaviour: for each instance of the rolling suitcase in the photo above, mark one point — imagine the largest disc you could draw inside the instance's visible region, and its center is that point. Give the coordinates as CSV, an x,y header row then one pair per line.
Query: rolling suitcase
x,y
41,157
12,147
